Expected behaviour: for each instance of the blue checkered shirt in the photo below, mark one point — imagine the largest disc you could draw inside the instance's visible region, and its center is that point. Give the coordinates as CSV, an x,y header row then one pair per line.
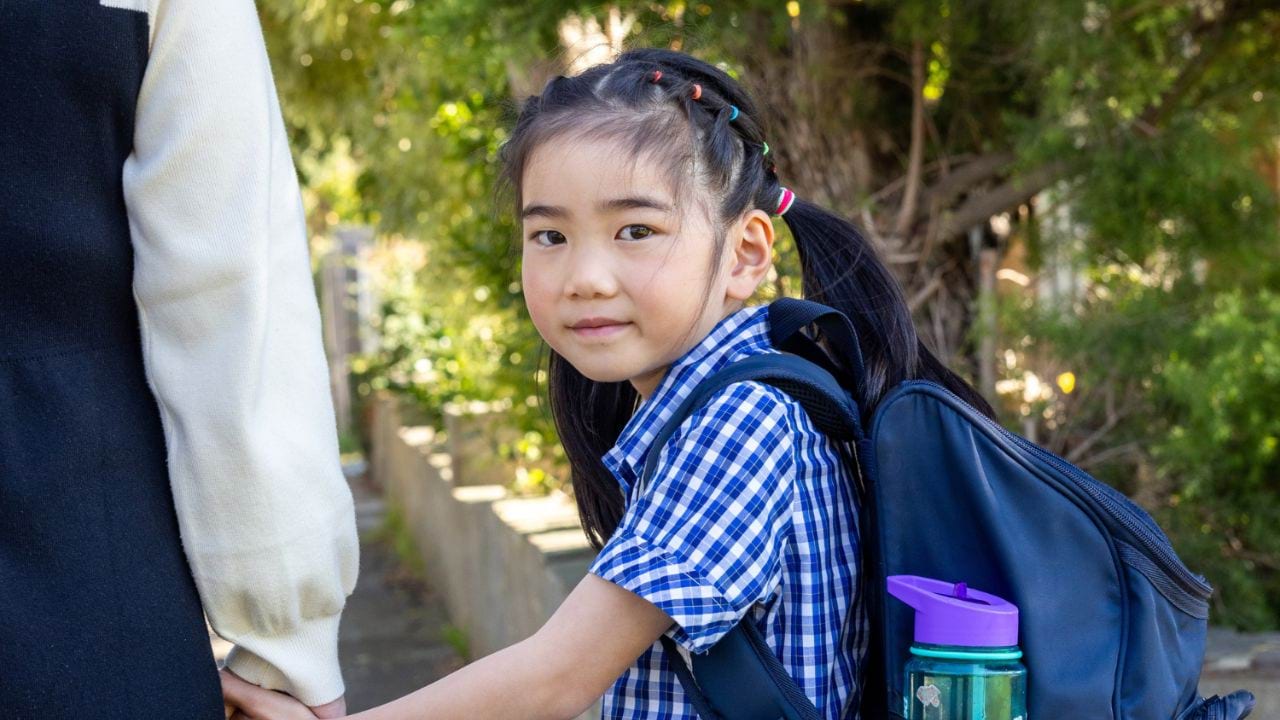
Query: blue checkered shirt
x,y
752,511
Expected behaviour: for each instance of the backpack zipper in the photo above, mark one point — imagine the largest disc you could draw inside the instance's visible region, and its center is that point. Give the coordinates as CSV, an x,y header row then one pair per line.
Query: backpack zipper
x,y
1128,514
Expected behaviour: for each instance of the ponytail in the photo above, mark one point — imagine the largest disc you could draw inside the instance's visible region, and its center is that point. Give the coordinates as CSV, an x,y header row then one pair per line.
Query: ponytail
x,y
841,269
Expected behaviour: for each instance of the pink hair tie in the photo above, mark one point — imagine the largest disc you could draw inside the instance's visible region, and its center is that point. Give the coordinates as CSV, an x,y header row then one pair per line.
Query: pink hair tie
x,y
785,199
697,91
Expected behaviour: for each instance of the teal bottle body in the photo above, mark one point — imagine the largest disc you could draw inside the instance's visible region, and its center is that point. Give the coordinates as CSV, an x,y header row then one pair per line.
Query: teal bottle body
x,y
951,682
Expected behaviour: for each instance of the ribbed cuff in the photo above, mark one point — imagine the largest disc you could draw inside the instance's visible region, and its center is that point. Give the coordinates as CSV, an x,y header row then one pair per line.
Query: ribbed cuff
x,y
303,663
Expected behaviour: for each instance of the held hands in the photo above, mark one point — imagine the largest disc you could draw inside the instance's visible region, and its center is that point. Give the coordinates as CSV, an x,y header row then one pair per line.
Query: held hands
x,y
246,701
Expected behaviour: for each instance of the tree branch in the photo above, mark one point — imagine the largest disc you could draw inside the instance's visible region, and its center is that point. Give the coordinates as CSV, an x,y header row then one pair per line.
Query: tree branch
x,y
896,184
931,287
962,179
1107,454
979,207
1114,416
1016,190
915,161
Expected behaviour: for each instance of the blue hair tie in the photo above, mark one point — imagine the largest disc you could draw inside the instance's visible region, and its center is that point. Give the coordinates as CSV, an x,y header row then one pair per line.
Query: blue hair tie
x,y
734,115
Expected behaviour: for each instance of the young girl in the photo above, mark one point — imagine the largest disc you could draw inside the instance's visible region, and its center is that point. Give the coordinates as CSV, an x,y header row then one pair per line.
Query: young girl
x,y
645,189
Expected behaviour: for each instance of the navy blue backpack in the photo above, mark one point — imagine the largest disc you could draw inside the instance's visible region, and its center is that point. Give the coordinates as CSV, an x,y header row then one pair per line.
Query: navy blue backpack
x,y
1112,623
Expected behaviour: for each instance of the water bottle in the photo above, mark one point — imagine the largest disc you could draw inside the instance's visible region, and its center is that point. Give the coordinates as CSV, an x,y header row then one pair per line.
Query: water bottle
x,y
965,662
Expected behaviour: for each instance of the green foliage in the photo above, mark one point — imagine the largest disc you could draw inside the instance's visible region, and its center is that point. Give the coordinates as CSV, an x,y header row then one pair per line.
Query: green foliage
x,y
1222,390
394,531
441,341
457,639
1158,120
349,446
444,342
1183,383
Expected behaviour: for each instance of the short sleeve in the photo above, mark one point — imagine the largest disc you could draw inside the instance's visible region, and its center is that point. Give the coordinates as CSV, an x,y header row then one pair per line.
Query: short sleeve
x,y
704,540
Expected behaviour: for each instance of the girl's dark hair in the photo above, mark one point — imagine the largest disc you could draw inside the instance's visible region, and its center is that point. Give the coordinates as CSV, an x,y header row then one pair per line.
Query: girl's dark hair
x,y
694,138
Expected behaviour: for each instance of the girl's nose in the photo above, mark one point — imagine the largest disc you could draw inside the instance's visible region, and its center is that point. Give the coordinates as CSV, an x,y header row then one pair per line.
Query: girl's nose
x,y
590,274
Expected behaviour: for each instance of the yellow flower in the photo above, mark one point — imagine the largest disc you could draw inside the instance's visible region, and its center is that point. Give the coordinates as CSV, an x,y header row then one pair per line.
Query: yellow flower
x,y
1067,382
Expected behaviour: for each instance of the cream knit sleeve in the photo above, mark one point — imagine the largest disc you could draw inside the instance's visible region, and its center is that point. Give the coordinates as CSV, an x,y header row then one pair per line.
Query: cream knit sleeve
x,y
232,342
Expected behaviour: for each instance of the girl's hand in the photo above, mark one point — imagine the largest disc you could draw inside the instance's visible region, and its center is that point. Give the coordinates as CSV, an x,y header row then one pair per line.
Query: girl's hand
x,y
255,703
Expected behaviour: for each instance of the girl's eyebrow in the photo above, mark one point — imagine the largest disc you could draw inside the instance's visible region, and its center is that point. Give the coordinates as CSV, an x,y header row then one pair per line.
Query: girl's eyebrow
x,y
615,204
633,203
546,211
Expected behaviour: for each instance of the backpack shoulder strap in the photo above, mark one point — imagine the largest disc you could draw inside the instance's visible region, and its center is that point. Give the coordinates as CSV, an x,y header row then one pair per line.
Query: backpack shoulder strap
x,y
740,678
788,316
828,404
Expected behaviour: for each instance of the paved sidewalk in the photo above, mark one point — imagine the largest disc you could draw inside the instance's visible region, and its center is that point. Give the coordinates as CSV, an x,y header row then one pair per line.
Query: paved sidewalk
x,y
1239,661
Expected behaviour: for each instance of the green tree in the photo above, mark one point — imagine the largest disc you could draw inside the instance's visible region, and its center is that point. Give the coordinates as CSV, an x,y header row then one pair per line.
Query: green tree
x,y
1130,144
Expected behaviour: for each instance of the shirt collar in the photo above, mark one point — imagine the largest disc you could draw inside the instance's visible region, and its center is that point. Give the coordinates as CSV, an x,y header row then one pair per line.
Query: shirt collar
x,y
740,334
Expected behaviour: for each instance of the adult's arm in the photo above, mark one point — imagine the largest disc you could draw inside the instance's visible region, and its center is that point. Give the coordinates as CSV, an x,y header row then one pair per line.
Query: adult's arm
x,y
232,342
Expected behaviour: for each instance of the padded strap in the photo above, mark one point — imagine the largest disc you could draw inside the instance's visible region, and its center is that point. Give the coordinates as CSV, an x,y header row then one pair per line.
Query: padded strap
x,y
787,316
675,661
829,405
740,679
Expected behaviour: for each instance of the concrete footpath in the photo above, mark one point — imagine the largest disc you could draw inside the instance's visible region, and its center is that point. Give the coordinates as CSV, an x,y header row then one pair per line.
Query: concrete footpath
x,y
1244,661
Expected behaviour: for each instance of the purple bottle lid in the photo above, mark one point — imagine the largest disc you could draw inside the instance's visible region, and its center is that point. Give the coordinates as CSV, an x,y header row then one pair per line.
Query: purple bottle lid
x,y
954,614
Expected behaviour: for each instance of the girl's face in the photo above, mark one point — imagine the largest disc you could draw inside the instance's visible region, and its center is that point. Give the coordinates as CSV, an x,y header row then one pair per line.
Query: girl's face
x,y
615,275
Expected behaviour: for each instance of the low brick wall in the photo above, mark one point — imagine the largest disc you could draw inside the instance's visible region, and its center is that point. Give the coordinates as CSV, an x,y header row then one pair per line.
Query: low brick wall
x,y
502,564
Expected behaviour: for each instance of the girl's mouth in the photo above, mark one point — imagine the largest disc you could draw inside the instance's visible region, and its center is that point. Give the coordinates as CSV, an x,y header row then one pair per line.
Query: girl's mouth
x,y
600,331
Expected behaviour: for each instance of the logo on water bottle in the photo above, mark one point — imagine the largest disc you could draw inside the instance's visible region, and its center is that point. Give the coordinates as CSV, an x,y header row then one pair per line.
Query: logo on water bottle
x,y
929,695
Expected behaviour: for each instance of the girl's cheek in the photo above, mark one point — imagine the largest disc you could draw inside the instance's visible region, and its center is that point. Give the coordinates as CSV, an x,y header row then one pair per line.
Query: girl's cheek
x,y
541,320
538,298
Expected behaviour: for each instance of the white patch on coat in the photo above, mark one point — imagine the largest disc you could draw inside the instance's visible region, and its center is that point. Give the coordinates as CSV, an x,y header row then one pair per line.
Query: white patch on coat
x,y
138,5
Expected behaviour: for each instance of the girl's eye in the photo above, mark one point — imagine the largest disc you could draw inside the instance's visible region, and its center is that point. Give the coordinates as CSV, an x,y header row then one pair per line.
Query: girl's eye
x,y
637,232
547,237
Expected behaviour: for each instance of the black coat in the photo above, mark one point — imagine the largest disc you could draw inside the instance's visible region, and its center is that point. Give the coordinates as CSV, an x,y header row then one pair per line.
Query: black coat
x,y
99,615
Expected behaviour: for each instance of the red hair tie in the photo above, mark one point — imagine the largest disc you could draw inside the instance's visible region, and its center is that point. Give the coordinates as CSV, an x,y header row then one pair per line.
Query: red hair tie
x,y
785,199
697,91
655,76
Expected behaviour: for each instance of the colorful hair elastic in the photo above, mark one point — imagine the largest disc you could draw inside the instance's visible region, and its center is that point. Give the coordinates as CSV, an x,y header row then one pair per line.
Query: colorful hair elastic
x,y
733,115
697,91
766,150
785,200
655,76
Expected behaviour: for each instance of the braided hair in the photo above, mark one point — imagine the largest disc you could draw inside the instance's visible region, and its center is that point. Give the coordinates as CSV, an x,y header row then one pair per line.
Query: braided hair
x,y
709,137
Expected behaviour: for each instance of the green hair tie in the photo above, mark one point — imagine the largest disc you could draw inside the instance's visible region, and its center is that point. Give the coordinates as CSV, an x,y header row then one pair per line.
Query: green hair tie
x,y
766,150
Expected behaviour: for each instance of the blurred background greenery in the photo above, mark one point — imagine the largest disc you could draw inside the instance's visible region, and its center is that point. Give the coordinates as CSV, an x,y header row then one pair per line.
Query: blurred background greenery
x,y
1080,199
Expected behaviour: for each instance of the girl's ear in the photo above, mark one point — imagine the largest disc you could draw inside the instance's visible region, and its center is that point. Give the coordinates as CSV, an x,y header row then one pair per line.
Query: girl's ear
x,y
751,248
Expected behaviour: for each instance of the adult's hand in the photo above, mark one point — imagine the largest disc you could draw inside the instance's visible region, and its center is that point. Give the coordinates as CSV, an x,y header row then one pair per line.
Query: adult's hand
x,y
254,703
335,709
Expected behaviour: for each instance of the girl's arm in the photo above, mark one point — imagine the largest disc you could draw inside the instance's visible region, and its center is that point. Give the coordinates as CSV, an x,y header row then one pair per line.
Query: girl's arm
x,y
593,637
